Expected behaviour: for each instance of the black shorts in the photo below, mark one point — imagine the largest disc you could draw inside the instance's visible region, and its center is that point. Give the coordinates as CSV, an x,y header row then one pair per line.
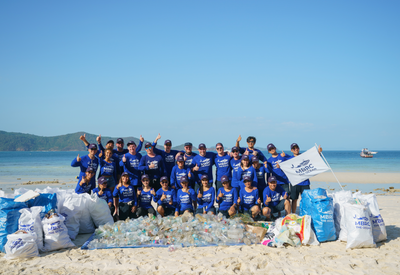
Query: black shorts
x,y
201,210
181,212
143,212
125,211
168,211
225,213
278,208
296,190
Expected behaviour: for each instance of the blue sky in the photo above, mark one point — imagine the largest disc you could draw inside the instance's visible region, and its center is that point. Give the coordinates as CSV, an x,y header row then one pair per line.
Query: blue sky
x,y
204,71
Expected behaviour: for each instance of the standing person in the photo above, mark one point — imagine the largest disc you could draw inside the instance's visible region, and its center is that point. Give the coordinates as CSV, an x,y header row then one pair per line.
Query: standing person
x,y
251,141
125,199
261,172
235,164
188,155
205,197
179,170
202,165
83,163
227,198
153,165
272,199
130,164
273,167
145,195
104,193
120,151
168,155
249,199
222,163
84,185
108,169
165,198
297,190
244,170
185,198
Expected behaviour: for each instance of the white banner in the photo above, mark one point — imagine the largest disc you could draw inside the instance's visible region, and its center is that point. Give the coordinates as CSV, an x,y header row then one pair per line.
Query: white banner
x,y
304,166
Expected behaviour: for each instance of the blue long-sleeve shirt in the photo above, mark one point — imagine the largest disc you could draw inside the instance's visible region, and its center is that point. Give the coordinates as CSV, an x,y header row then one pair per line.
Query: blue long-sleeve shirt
x,y
274,195
85,162
207,200
235,164
107,194
260,155
170,196
281,178
126,194
248,199
260,172
108,168
85,188
158,171
145,198
131,166
185,200
223,166
189,159
176,175
239,175
114,157
169,158
230,198
205,166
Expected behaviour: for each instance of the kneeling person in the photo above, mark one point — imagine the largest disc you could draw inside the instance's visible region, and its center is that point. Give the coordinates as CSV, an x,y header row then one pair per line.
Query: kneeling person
x,y
145,195
227,198
125,198
185,197
165,198
205,197
104,193
249,199
272,198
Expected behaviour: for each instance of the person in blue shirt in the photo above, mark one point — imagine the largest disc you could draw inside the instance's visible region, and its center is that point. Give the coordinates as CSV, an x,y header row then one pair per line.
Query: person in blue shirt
x,y
261,172
104,193
235,164
205,197
185,198
297,190
251,141
179,170
168,155
249,199
227,198
222,163
165,198
86,161
245,169
188,155
145,195
153,165
125,199
108,169
202,165
130,164
274,170
84,184
272,199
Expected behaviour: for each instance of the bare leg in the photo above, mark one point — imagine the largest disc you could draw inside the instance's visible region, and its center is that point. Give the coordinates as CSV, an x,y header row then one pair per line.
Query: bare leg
x,y
287,207
267,212
160,210
294,206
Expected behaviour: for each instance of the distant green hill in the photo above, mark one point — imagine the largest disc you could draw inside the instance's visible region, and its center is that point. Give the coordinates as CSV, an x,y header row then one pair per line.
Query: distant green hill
x,y
70,142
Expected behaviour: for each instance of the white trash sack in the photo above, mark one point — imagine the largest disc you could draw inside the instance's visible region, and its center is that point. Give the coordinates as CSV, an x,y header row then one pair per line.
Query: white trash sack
x,y
86,224
55,234
71,210
30,222
100,211
339,199
378,225
358,225
21,245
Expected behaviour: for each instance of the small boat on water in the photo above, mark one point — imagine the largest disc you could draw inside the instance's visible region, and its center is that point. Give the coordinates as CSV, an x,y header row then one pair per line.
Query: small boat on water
x,y
365,153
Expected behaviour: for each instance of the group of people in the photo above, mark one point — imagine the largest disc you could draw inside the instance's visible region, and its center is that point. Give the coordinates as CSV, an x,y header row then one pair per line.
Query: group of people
x,y
183,181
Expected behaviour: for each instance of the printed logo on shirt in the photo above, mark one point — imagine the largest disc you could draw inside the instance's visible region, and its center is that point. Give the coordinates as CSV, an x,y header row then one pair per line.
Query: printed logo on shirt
x,y
223,163
207,197
169,158
155,162
248,199
185,198
228,197
134,163
205,162
275,162
236,166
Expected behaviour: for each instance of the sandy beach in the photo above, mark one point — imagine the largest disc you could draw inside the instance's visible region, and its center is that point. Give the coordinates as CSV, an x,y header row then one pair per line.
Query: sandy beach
x,y
329,257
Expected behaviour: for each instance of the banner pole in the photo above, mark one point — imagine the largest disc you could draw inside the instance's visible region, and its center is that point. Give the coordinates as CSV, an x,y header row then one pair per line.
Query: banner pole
x,y
327,163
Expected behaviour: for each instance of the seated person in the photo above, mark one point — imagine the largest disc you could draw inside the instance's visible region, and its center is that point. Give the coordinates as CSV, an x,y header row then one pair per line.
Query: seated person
x,y
227,198
272,199
104,193
125,198
85,183
185,197
249,200
165,198
145,195
205,197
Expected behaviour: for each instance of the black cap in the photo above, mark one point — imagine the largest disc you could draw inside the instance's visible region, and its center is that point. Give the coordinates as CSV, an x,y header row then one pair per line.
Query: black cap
x,y
188,144
120,140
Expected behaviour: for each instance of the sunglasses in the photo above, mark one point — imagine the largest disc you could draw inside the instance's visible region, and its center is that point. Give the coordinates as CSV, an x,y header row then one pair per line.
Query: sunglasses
x,y
251,141
168,144
219,148
148,147
164,181
90,172
235,151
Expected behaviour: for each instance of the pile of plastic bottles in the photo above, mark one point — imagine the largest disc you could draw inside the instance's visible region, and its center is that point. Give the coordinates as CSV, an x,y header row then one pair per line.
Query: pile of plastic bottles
x,y
183,231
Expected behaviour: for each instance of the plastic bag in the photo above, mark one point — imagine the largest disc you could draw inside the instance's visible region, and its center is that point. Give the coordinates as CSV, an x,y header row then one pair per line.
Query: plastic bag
x,y
289,236
339,199
48,201
21,245
99,211
358,225
306,196
378,225
302,227
85,222
322,218
4,195
55,234
30,222
71,210
9,215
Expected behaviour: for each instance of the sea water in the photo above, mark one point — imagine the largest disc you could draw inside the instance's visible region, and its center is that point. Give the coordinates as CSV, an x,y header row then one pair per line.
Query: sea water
x,y
20,167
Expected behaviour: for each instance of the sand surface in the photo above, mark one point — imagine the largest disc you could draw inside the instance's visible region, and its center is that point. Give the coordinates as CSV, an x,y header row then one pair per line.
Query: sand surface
x,y
353,177
328,258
